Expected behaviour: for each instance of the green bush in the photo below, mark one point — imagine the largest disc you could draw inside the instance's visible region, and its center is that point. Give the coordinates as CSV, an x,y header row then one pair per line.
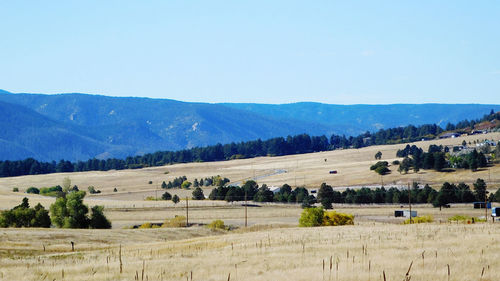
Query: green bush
x,y
53,191
422,219
33,190
311,217
15,189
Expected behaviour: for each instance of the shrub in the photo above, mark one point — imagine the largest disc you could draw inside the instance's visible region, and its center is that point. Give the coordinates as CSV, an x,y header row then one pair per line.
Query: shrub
x,y
150,182
422,219
115,190
333,218
53,191
145,225
92,190
33,190
185,185
15,189
217,224
175,199
178,221
464,218
311,217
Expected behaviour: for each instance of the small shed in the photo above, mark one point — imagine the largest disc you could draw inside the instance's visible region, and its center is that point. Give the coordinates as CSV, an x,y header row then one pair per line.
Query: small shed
x,y
480,205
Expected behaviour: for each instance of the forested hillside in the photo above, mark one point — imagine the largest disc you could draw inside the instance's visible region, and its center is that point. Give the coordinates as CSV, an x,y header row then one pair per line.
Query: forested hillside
x,y
81,127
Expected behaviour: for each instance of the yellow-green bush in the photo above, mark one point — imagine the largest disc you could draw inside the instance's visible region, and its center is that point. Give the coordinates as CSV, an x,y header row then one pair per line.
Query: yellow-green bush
x,y
333,218
318,217
145,225
465,219
178,221
217,224
422,219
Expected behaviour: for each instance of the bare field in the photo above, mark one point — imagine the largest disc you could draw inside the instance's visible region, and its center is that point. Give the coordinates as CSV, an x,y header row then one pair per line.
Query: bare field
x,y
365,251
306,169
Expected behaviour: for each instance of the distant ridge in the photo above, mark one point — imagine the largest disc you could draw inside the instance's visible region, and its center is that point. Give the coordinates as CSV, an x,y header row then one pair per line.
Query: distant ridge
x,y
82,126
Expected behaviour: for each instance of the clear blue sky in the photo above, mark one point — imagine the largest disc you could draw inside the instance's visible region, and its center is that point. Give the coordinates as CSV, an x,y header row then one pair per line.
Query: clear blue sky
x,y
341,52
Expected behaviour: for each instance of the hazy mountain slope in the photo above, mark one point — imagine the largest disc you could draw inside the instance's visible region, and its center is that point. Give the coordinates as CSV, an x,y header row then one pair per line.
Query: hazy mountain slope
x,y
26,133
355,119
80,126
130,126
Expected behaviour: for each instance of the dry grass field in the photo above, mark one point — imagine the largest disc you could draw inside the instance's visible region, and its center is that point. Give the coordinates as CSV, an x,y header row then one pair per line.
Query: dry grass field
x,y
301,170
273,247
365,251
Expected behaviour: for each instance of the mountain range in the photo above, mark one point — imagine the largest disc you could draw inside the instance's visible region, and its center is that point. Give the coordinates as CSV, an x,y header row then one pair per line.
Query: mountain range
x,y
81,126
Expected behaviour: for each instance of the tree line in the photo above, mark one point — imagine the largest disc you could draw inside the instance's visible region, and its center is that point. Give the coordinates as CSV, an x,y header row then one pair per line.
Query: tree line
x,y
448,193
278,146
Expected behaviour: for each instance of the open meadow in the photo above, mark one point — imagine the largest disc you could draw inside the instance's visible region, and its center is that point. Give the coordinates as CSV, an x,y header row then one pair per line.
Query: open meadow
x,y
273,247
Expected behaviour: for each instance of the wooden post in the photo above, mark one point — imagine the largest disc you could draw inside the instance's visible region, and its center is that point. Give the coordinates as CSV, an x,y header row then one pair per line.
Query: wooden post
x,y
485,207
187,212
246,213
72,246
409,199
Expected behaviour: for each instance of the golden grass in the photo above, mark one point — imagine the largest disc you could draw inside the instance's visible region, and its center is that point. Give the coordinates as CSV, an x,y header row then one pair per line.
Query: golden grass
x,y
360,252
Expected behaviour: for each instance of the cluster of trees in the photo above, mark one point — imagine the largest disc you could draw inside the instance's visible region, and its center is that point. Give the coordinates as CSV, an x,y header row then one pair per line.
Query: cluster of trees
x,y
449,193
24,216
472,160
168,196
251,191
381,167
67,212
415,158
210,181
176,183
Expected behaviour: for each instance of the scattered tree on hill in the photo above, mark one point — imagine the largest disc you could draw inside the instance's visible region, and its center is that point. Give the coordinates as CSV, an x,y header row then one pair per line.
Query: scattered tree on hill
x,y
378,155
166,196
175,199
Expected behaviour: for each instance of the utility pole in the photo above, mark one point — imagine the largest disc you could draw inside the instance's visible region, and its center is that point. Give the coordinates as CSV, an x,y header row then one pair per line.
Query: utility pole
x,y
485,207
187,212
246,213
409,199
